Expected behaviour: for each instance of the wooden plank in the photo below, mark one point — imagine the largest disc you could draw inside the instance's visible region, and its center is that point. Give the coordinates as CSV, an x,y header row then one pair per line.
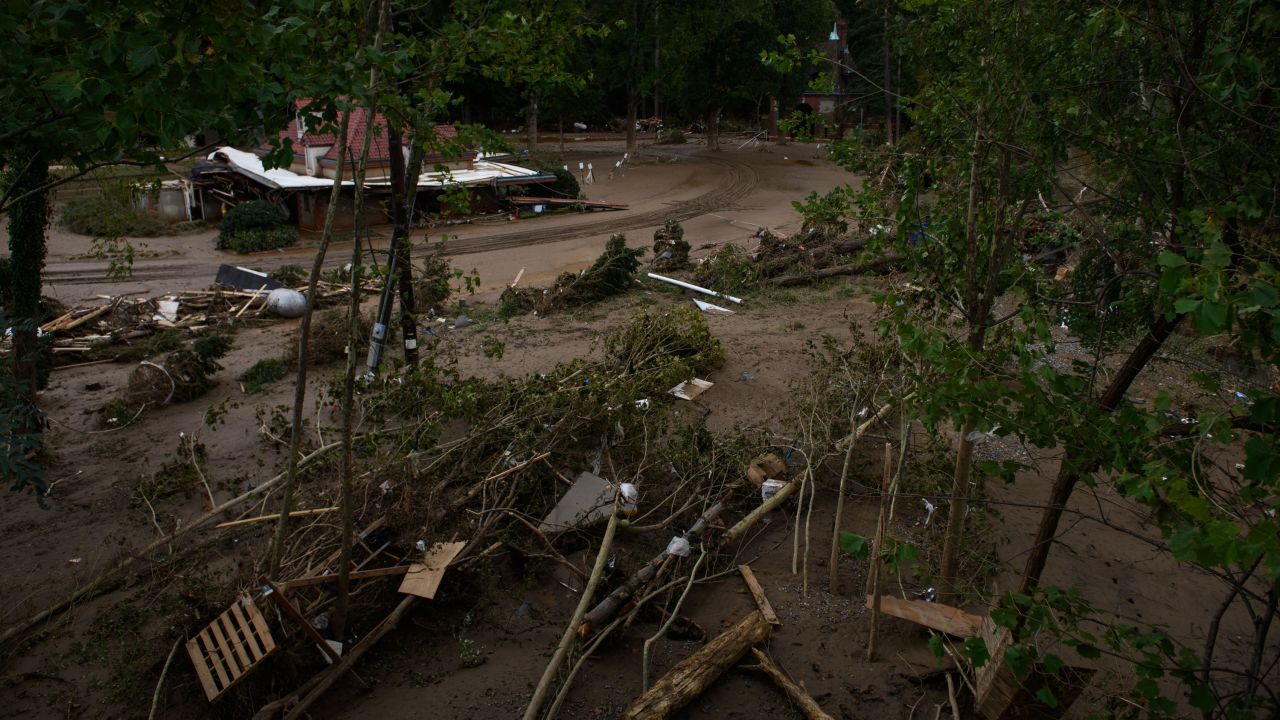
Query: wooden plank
x,y
200,662
943,618
423,578
237,641
214,657
757,592
262,631
248,632
333,577
297,617
226,648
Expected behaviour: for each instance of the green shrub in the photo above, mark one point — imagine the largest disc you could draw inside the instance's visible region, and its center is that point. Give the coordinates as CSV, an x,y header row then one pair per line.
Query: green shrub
x,y
255,226
253,215
110,213
728,269
247,241
263,373
566,184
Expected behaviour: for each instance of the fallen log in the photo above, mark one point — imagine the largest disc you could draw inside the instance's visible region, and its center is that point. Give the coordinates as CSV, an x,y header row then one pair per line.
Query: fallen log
x,y
796,694
688,679
875,266
604,611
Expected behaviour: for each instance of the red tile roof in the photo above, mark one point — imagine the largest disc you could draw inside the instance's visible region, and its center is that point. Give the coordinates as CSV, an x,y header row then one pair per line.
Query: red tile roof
x,y
378,153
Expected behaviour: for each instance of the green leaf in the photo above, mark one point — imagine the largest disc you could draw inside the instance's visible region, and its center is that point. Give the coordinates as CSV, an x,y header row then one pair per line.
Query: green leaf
x,y
1046,696
1202,698
975,648
1186,305
936,646
1168,259
64,86
856,545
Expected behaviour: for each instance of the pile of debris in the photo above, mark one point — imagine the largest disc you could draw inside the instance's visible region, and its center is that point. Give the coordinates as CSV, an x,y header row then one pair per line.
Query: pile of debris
x,y
132,328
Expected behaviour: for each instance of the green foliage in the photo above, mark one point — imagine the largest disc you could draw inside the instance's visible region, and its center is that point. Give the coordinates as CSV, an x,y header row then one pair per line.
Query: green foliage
x,y
826,213
255,226
565,185
250,241
109,214
729,269
856,545
263,373
677,341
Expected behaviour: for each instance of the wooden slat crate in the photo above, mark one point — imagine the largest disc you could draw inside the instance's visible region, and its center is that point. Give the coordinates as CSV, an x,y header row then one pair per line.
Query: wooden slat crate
x,y
232,645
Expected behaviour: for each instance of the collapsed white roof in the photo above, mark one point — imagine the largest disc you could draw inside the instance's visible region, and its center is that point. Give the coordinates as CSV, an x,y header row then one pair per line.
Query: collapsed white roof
x,y
481,172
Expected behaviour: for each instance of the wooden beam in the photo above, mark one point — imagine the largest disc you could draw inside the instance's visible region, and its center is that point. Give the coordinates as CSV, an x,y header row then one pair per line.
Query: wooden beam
x,y
935,616
757,592
333,577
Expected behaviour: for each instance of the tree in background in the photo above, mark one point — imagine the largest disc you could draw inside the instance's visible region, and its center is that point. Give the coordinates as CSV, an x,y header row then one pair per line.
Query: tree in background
x,y
110,84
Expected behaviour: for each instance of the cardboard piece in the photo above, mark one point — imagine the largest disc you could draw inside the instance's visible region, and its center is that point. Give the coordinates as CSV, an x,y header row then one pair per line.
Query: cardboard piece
x,y
423,578
590,498
690,389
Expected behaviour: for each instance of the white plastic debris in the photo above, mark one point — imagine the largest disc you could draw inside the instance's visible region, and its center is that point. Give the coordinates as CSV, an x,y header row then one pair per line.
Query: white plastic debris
x,y
642,404
630,493
679,547
769,488
421,545
286,303
928,508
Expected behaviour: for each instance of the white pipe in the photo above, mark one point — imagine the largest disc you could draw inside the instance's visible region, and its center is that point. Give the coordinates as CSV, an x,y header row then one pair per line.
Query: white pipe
x,y
695,288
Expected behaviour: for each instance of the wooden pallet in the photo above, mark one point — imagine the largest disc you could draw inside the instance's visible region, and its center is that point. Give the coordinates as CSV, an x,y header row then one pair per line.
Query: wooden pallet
x,y
236,642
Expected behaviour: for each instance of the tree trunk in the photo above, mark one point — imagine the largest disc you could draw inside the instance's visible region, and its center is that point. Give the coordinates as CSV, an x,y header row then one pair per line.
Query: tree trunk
x,y
531,122
347,470
304,335
888,84
631,120
773,120
1076,463
713,129
28,219
694,674
404,258
956,514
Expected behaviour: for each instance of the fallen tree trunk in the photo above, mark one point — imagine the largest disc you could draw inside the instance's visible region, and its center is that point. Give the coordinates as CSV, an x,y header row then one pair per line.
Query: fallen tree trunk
x,y
694,674
605,610
107,578
887,262
796,694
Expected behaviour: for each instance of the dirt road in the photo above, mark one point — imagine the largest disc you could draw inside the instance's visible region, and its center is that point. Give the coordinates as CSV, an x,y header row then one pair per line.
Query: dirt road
x,y
720,196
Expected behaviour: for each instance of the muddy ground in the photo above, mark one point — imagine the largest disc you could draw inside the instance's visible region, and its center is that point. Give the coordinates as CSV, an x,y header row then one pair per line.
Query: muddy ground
x,y
503,612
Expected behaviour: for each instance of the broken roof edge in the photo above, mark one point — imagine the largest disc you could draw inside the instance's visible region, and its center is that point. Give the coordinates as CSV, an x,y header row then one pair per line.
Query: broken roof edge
x,y
484,172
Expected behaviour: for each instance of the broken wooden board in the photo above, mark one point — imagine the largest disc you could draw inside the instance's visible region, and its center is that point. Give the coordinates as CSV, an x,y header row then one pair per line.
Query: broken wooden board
x,y
423,578
757,592
589,499
999,694
236,642
690,389
943,618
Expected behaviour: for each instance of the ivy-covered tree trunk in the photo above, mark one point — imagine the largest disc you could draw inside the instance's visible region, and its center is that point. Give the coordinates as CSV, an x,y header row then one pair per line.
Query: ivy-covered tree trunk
x,y
404,186
28,219
531,121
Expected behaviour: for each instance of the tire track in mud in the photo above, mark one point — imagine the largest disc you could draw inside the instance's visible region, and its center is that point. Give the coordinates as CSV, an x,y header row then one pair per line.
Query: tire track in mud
x,y
742,180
